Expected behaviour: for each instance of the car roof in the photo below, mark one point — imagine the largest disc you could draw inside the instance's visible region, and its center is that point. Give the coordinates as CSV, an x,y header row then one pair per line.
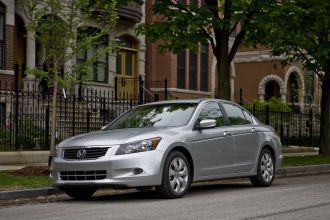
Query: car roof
x,y
173,101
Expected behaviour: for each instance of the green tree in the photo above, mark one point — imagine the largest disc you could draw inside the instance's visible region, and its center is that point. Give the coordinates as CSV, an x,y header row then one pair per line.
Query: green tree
x,y
300,31
182,25
57,25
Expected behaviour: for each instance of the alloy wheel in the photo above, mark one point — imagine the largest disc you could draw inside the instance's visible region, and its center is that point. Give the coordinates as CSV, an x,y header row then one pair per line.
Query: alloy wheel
x,y
267,167
178,175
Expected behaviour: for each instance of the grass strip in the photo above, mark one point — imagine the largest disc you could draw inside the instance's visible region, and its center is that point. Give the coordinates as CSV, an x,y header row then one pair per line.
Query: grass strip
x,y
292,161
9,181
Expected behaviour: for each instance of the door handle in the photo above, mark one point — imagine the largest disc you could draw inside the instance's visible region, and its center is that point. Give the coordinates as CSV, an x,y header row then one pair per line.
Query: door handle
x,y
253,130
227,133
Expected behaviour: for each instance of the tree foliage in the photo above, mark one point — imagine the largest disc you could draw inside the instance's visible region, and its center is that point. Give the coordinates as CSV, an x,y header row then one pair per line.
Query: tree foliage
x,y
222,23
300,31
57,26
61,28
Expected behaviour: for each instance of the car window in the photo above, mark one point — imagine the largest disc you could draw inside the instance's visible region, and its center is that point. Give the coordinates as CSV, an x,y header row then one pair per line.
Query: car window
x,y
211,111
248,117
235,114
158,115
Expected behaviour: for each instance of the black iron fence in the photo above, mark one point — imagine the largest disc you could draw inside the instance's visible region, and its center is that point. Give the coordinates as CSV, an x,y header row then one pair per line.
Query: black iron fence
x,y
25,119
25,114
294,128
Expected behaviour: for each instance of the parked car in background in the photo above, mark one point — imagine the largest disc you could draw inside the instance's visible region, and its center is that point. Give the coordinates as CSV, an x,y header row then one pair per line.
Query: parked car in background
x,y
169,145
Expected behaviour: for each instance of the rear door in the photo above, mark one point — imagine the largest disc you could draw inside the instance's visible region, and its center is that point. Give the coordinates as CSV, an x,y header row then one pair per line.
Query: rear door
x,y
246,137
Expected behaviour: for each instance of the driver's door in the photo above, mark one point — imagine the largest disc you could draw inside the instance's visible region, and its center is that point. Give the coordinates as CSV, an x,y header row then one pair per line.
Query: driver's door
x,y
214,147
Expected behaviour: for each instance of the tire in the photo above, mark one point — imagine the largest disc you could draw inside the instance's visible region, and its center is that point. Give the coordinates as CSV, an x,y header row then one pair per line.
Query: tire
x,y
265,170
176,178
80,193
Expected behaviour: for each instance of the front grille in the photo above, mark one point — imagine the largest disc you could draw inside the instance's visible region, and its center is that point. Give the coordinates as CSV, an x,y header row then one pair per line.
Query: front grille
x,y
90,153
83,175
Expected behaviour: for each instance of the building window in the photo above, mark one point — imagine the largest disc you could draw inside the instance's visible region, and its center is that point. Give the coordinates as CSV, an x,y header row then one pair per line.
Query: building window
x,y
126,60
100,65
2,34
198,72
192,71
204,58
181,70
293,89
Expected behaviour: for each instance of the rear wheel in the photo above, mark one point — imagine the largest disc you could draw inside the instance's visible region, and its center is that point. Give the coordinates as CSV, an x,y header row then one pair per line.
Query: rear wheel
x,y
80,193
265,171
176,176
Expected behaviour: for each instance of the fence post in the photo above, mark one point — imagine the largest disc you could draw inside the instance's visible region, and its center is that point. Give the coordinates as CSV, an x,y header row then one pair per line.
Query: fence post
x,y
282,128
267,114
47,128
16,105
116,87
73,115
241,96
80,92
103,108
254,109
140,90
311,126
16,77
88,121
165,89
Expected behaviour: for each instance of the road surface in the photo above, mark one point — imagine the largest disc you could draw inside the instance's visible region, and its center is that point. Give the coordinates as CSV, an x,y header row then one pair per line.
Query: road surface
x,y
305,197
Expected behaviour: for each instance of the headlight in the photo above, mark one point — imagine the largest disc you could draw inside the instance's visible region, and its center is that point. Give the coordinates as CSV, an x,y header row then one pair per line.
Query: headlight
x,y
138,146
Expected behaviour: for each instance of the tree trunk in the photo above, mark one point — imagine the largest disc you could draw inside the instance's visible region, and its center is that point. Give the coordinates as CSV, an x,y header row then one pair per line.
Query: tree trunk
x,y
53,116
224,90
325,116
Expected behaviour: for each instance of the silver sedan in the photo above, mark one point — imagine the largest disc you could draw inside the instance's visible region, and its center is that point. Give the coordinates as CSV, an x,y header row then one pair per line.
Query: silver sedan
x,y
169,145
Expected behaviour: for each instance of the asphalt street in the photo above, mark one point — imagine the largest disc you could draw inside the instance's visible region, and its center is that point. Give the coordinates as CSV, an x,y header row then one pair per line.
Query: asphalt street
x,y
305,197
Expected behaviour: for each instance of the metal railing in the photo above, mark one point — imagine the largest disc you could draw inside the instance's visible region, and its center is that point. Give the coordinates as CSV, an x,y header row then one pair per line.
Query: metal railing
x,y
294,128
25,115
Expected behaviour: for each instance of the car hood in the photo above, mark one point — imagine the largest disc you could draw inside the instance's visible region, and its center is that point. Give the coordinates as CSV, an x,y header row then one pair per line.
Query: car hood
x,y
105,137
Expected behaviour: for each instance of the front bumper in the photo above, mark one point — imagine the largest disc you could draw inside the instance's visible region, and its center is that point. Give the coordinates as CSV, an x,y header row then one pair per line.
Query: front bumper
x,y
120,170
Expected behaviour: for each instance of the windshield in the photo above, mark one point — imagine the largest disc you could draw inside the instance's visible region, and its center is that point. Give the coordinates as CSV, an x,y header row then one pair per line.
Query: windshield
x,y
161,115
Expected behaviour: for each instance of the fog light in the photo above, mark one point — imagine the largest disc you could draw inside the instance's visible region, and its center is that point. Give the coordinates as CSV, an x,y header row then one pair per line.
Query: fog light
x,y
138,171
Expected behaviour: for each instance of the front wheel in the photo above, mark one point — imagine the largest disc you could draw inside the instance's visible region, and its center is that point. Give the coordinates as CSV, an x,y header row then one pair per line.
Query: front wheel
x,y
176,176
80,193
265,170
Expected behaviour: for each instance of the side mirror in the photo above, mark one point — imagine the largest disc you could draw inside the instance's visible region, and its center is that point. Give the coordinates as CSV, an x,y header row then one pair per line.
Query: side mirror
x,y
207,123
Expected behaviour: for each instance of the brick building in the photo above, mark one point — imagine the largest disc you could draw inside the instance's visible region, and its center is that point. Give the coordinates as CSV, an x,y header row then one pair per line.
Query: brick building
x,y
17,46
255,74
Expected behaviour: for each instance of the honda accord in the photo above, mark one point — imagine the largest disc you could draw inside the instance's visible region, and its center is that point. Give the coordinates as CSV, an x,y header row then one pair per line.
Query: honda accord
x,y
168,145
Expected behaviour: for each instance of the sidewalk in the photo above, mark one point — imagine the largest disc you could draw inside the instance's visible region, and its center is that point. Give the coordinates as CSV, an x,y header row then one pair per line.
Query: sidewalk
x,y
20,166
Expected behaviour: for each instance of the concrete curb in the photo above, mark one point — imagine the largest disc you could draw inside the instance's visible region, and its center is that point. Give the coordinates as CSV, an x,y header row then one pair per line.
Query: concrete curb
x,y
303,170
29,193
282,172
